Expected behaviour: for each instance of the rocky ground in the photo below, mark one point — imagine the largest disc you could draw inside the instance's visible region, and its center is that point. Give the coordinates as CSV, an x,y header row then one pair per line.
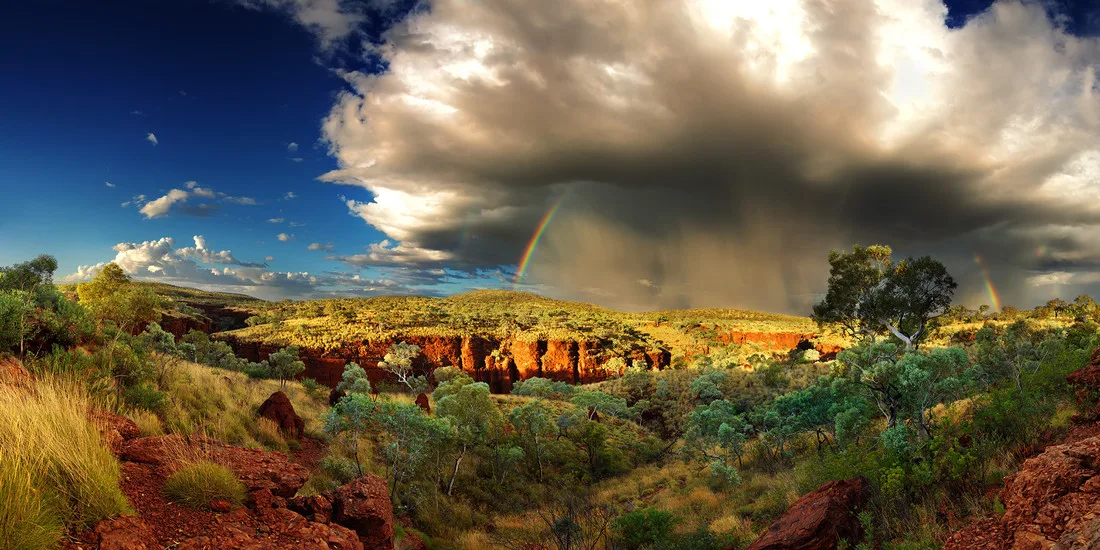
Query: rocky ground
x,y
1053,501
355,516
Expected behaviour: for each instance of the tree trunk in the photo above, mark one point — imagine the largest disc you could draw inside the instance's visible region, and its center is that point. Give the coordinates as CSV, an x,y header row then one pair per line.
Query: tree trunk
x,y
454,474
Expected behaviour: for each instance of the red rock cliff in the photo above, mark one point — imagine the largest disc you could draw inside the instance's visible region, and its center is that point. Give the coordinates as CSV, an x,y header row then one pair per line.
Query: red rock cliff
x,y
564,360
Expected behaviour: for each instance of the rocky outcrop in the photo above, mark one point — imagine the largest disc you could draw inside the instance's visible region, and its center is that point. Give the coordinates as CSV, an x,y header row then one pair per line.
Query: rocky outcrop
x,y
14,373
315,507
355,515
280,410
1053,501
280,528
820,519
114,429
1086,386
178,326
257,469
565,360
124,533
423,403
364,507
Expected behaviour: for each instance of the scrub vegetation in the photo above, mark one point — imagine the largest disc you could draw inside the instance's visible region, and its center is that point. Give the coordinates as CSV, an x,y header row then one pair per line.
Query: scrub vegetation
x,y
932,403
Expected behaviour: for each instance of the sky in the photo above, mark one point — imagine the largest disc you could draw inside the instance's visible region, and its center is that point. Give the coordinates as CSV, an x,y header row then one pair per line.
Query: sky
x,y
640,154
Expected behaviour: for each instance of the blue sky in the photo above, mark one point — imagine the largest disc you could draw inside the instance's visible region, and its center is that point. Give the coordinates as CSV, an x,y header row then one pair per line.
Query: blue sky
x,y
224,89
234,97
418,145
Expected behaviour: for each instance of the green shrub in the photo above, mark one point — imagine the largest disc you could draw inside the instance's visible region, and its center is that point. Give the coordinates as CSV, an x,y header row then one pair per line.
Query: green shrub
x,y
340,470
145,397
257,370
197,484
644,528
312,386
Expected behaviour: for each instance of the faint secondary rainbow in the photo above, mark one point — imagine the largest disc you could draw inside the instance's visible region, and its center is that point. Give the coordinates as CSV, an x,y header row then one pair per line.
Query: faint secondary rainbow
x,y
525,260
994,297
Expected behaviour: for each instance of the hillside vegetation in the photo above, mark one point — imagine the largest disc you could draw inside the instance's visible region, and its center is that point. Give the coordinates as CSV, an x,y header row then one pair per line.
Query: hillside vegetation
x,y
932,405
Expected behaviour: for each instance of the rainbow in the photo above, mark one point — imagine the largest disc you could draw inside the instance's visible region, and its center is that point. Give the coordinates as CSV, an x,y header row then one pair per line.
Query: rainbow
x,y
994,297
525,260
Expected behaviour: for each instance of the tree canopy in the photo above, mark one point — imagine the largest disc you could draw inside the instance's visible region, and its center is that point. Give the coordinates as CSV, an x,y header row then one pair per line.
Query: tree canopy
x,y
870,295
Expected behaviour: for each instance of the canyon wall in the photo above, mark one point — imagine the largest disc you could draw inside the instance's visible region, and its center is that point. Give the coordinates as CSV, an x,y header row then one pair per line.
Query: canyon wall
x,y
576,362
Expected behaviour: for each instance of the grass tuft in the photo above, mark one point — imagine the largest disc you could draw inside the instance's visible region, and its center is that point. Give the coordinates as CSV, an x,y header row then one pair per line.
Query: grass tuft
x,y
197,484
54,468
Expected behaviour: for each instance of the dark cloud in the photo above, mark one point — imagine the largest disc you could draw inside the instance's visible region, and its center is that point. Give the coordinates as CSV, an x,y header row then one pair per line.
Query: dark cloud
x,y
718,150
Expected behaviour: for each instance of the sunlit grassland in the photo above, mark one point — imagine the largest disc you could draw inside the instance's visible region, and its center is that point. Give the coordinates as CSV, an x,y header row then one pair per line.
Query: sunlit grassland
x,y
55,470
332,323
222,404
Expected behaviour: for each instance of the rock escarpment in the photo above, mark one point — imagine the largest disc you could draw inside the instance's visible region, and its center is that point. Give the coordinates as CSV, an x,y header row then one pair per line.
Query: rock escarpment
x,y
576,362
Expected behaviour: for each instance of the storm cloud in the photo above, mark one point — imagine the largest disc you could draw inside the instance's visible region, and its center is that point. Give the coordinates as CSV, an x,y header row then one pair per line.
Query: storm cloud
x,y
711,153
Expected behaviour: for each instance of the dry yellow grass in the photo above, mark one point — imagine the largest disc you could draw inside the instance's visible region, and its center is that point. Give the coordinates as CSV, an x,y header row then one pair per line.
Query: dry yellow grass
x,y
148,422
222,404
54,468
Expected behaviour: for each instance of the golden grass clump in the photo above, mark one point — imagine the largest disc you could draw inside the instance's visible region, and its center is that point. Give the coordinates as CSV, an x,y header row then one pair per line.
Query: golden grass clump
x,y
147,422
54,467
199,483
267,434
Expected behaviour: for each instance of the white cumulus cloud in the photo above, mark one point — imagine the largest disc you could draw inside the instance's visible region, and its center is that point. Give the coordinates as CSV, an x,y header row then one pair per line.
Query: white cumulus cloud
x,y
159,207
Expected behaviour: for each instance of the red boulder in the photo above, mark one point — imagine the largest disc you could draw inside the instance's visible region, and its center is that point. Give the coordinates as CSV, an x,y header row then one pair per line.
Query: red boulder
x,y
820,519
334,396
1052,502
280,410
114,429
364,507
422,402
14,373
316,508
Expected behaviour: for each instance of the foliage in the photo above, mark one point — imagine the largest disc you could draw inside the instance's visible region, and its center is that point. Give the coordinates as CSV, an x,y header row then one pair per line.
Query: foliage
x,y
111,297
904,387
198,483
532,422
473,415
597,402
285,365
450,384
210,352
719,426
399,362
543,388
354,380
34,315
644,528
870,295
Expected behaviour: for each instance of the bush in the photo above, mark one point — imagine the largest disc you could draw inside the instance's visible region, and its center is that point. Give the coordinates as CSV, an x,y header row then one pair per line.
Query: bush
x,y
340,470
146,398
312,386
644,528
55,470
197,484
